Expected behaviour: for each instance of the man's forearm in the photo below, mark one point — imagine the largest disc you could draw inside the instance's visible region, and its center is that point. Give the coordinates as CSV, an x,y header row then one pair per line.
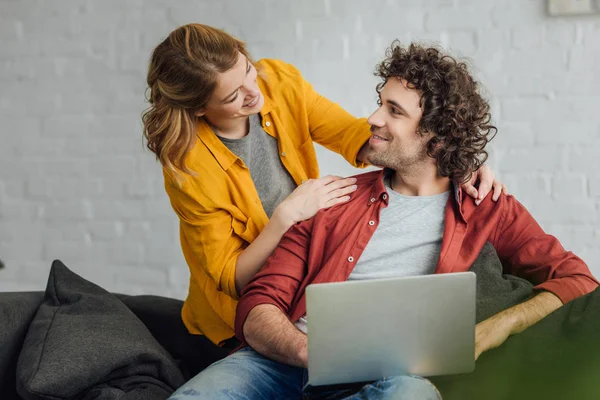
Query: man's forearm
x,y
522,316
268,331
530,312
495,330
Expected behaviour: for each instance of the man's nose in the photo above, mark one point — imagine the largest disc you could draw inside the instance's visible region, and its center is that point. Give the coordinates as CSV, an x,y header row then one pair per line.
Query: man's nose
x,y
375,120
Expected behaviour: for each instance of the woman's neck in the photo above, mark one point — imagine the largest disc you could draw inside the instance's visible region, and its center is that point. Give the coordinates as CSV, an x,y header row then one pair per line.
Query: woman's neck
x,y
235,128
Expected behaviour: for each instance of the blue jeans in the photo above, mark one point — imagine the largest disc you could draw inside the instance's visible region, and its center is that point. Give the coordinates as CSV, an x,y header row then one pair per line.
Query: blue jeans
x,y
248,375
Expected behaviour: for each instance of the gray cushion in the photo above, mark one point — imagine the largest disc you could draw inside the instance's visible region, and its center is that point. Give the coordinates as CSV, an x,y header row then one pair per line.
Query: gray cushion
x,y
85,343
496,291
17,310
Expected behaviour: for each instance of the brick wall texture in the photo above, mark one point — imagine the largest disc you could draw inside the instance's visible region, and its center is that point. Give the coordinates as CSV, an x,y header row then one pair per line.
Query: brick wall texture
x,y
77,184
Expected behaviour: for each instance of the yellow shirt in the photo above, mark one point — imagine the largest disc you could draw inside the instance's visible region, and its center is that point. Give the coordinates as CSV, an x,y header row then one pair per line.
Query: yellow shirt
x,y
219,210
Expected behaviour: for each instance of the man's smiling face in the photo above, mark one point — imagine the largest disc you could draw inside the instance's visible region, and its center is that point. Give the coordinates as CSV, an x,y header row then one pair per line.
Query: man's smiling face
x,y
395,142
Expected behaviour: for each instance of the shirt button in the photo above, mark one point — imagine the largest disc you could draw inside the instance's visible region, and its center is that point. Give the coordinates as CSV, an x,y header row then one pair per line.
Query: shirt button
x,y
283,154
350,259
372,199
385,196
268,123
371,223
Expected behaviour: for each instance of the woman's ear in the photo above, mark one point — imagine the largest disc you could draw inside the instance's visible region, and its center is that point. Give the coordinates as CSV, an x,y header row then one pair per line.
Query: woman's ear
x,y
200,113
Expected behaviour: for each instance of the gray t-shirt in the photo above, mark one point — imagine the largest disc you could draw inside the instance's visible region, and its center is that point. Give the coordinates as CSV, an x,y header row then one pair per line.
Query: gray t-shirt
x,y
260,154
407,241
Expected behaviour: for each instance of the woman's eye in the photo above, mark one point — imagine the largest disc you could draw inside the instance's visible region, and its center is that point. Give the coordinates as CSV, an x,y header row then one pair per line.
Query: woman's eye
x,y
249,68
232,100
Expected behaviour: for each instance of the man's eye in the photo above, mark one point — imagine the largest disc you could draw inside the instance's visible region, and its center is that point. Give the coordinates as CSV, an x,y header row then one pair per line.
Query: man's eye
x,y
232,100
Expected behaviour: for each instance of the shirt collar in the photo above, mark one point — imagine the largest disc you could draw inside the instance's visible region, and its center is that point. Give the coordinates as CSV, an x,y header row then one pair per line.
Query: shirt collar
x,y
269,105
379,189
458,199
222,154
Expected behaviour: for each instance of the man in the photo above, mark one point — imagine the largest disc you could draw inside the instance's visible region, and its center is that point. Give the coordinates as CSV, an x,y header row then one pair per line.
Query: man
x,y
429,133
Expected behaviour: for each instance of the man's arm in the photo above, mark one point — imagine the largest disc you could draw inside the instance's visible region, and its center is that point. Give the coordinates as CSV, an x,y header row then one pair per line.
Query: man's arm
x,y
270,332
273,289
495,330
530,253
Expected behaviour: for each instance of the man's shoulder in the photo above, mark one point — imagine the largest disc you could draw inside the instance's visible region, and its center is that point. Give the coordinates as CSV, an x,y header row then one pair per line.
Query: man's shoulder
x,y
367,178
366,184
487,208
491,211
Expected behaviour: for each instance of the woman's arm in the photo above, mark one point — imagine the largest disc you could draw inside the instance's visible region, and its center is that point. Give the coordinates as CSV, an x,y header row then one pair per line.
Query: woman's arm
x,y
210,243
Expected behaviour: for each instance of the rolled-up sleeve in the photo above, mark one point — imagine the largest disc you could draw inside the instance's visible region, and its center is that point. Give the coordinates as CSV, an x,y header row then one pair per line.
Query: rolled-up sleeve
x,y
278,282
209,243
532,254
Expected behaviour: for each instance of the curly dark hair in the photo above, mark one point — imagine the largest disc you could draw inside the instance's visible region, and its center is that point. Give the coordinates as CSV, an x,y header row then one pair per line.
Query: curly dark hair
x,y
453,110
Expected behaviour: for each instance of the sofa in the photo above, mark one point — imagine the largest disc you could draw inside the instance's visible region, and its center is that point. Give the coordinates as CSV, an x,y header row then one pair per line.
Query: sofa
x,y
78,341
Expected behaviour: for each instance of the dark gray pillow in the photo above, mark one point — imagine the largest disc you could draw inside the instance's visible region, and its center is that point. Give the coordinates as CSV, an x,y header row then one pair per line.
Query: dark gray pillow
x,y
17,310
84,343
496,291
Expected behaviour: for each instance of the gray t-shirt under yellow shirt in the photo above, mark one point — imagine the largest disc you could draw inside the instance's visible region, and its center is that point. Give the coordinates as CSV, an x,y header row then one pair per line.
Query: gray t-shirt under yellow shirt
x,y
260,154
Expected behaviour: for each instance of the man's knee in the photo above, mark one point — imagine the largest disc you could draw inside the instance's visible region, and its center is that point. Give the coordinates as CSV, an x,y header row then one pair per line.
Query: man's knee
x,y
231,378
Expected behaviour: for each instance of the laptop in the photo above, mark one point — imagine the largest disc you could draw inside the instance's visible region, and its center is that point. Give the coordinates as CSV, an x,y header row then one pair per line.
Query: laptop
x,y
361,331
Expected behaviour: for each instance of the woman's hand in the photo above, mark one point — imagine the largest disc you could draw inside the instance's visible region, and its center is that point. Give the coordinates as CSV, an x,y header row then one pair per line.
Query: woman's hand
x,y
313,195
487,181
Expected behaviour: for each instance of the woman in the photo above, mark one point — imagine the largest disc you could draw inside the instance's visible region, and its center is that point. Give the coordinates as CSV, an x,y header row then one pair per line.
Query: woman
x,y
235,139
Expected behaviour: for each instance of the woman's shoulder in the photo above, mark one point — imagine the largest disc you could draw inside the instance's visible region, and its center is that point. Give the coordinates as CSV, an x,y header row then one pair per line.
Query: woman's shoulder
x,y
206,177
277,69
280,81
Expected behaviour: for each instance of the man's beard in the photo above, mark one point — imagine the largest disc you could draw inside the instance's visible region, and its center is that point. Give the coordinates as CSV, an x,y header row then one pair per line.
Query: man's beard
x,y
394,158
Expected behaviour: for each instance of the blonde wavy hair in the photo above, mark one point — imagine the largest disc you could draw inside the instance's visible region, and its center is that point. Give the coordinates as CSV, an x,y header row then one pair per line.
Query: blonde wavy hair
x,y
182,76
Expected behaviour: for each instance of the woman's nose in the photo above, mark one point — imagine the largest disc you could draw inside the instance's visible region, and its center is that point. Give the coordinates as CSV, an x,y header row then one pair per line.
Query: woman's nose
x,y
251,90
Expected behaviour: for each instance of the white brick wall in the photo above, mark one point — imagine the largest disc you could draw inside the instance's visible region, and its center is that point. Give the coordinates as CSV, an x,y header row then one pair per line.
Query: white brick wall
x,y
77,184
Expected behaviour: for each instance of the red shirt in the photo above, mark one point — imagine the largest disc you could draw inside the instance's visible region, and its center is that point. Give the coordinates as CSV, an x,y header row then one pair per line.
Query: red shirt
x,y
326,248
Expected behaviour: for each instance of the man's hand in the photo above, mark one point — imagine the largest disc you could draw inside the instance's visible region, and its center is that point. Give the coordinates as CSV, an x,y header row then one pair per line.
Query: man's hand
x,y
494,331
491,333
269,331
487,181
